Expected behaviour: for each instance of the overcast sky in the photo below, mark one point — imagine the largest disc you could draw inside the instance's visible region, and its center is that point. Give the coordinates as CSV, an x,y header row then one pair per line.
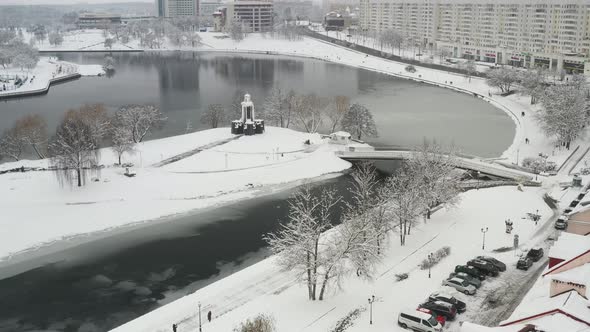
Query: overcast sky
x,y
64,2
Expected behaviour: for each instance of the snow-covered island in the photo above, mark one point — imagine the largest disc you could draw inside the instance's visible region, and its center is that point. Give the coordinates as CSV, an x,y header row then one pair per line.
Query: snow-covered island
x,y
214,167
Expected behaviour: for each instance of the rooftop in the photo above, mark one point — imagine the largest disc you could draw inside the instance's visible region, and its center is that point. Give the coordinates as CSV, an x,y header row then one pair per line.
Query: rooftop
x,y
569,245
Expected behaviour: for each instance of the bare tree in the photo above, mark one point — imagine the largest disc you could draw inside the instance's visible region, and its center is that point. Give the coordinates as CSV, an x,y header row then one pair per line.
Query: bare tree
x,y
563,114
11,145
533,83
276,108
578,81
359,122
73,150
214,114
236,31
96,117
338,108
32,131
502,78
108,43
121,142
308,110
56,38
139,120
470,69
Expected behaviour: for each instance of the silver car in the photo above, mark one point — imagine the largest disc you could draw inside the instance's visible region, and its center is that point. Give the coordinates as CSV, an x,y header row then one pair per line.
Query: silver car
x,y
461,285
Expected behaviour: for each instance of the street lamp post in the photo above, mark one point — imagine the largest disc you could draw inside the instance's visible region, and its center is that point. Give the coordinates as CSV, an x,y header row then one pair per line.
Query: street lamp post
x,y
371,300
484,231
430,257
200,317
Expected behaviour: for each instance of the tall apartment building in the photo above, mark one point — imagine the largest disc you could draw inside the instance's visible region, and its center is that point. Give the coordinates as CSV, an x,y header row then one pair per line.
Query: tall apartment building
x,y
550,33
176,8
254,15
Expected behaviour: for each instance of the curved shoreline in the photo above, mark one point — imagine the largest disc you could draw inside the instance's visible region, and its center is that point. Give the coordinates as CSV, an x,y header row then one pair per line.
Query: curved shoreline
x,y
42,91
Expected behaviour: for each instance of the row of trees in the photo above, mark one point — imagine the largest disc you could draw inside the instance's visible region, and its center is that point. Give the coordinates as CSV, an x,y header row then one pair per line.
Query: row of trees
x,y
75,145
152,34
307,112
323,255
13,51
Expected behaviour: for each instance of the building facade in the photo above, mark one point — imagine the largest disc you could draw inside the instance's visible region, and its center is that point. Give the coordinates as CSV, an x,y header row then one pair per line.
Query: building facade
x,y
551,33
253,15
177,8
97,20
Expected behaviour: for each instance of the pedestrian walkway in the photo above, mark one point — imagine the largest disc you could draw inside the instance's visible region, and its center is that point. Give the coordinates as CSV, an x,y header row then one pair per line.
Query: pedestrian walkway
x,y
194,151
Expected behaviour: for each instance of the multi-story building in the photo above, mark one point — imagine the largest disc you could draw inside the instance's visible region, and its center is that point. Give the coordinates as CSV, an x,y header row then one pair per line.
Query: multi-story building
x,y
97,20
253,15
550,33
176,8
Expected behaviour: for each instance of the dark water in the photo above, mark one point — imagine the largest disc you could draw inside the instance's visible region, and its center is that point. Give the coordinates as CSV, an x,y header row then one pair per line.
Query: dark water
x,y
100,289
184,84
101,284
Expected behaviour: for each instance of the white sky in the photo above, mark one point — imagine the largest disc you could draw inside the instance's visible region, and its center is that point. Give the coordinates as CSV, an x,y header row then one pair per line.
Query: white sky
x,y
65,2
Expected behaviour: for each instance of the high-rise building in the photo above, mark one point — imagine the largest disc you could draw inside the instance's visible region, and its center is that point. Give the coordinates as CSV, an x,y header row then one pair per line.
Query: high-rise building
x,y
253,15
550,33
176,8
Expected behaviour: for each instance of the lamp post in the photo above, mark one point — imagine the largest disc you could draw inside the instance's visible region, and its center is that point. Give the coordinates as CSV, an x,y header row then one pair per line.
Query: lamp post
x,y
484,231
200,317
478,175
430,257
371,300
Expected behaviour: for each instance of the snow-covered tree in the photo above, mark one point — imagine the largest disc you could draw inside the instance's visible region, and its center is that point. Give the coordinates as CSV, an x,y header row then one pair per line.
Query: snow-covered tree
x,y
276,108
96,117
391,38
56,38
139,120
533,83
470,68
336,111
11,145
236,31
73,151
308,111
108,43
578,81
214,114
260,323
502,78
109,63
121,142
359,122
563,114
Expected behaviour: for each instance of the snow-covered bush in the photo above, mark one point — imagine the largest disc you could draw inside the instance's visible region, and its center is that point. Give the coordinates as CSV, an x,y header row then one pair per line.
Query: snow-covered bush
x,y
535,164
347,321
436,257
260,323
401,276
410,69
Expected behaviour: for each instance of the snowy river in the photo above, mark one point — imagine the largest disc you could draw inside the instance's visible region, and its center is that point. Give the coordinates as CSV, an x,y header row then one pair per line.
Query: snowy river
x,y
105,282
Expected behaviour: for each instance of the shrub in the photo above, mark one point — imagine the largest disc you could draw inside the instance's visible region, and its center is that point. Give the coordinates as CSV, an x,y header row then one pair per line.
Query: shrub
x,y
437,256
401,276
410,69
260,323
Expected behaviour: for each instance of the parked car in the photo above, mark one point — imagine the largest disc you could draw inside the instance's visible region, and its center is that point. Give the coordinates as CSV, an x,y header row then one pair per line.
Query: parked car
x,y
441,308
440,296
498,264
535,254
524,263
460,285
440,318
462,275
484,266
561,222
574,203
472,271
418,321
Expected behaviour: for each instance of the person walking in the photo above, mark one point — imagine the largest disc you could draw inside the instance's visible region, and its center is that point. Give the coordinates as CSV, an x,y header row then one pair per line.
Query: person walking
x,y
209,316
174,327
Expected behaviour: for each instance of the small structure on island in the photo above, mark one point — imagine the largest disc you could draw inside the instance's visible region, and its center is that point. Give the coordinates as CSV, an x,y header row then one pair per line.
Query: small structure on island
x,y
247,124
340,137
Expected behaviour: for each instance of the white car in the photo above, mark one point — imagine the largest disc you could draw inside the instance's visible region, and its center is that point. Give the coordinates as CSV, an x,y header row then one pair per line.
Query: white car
x,y
461,285
418,321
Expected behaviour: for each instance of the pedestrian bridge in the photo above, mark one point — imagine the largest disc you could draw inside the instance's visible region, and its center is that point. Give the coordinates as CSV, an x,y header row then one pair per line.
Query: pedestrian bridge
x,y
470,164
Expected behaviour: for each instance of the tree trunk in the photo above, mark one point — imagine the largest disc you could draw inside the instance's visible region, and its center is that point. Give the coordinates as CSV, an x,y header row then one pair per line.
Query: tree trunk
x,y
39,154
324,283
79,172
120,158
315,267
309,277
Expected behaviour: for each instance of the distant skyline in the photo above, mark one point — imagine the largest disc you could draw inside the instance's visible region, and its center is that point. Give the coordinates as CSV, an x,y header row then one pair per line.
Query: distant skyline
x,y
66,2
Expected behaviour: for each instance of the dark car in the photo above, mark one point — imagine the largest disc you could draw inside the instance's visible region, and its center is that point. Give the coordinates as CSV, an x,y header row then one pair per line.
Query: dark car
x,y
561,223
444,297
484,266
535,254
498,264
441,308
524,263
472,271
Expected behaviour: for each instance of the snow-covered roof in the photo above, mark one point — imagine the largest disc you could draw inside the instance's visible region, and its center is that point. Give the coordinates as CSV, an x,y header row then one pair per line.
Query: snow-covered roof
x,y
470,327
570,304
341,134
579,275
569,245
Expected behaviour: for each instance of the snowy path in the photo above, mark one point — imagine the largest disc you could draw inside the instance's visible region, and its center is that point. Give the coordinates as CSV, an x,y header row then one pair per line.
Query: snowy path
x,y
193,152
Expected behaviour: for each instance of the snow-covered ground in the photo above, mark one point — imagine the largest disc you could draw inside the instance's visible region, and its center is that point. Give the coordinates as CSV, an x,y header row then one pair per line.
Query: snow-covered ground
x,y
263,288
39,78
36,210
